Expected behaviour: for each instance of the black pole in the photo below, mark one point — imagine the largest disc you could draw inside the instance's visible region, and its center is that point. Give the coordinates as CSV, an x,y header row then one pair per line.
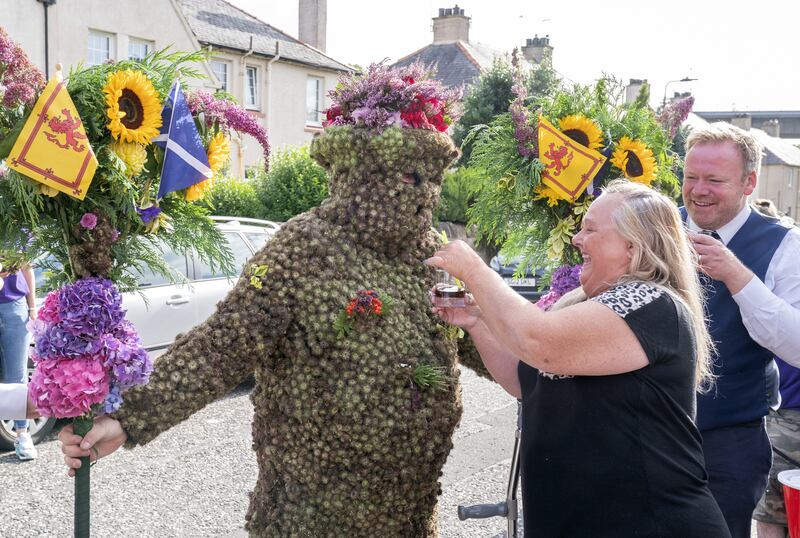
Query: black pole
x,y
46,46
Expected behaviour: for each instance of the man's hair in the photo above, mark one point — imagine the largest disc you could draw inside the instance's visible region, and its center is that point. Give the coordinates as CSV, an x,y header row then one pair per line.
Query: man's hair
x,y
720,132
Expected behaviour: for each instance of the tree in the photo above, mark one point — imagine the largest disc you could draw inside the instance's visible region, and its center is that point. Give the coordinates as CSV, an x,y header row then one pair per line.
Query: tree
x,y
491,94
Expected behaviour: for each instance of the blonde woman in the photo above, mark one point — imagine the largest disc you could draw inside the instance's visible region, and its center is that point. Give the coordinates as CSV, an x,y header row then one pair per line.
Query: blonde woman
x,y
608,378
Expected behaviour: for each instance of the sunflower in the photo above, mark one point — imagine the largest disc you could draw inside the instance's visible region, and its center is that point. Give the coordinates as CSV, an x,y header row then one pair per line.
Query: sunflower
x,y
635,160
582,130
134,155
134,108
219,150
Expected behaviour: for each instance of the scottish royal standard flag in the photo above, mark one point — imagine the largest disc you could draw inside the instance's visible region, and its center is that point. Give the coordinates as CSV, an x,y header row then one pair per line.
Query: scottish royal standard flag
x,y
185,159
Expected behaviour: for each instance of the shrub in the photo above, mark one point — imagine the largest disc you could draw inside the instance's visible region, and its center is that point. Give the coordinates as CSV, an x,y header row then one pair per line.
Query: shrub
x,y
458,191
295,183
232,197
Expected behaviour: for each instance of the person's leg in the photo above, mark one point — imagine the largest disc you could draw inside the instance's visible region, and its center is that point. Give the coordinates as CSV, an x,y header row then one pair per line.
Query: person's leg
x,y
738,459
783,428
14,341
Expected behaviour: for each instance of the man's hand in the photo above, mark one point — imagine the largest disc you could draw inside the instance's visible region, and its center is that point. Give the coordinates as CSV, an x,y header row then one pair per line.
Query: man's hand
x,y
105,437
717,261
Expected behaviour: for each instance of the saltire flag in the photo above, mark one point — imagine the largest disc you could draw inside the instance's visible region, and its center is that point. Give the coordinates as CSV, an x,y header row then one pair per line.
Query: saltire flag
x,y
52,147
185,159
569,166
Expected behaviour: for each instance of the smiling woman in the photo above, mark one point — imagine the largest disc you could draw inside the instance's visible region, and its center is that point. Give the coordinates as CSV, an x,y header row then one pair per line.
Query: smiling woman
x,y
607,378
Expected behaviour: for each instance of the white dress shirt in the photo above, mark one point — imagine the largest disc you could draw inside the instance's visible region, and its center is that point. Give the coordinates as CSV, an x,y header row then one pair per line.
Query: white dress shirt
x,y
13,401
770,309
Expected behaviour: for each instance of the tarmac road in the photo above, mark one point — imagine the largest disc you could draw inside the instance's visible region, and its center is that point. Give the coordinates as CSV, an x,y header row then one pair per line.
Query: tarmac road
x,y
193,480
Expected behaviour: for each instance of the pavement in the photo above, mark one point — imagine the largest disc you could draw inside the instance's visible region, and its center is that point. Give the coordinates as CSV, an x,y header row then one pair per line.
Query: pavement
x,y
193,480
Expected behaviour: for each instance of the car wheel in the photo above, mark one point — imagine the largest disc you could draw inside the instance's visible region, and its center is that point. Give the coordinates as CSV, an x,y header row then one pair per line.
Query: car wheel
x,y
38,428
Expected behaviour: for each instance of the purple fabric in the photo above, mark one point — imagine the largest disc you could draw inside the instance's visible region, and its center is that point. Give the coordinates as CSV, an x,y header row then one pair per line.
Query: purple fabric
x,y
14,287
790,385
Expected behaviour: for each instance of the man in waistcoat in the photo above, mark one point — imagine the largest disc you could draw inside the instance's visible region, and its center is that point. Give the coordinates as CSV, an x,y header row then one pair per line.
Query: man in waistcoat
x,y
752,273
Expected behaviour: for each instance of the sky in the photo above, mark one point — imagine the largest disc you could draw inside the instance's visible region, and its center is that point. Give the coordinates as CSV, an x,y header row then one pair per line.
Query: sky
x,y
744,58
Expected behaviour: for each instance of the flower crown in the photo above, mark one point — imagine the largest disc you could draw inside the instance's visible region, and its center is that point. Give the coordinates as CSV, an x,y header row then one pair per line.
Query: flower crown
x,y
385,96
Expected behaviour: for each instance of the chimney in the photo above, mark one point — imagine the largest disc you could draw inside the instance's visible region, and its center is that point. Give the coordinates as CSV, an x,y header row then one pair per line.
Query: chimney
x,y
772,127
743,121
537,49
451,25
633,88
313,21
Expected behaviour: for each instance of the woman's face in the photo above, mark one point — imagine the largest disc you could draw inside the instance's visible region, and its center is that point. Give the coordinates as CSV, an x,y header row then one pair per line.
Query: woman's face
x,y
606,254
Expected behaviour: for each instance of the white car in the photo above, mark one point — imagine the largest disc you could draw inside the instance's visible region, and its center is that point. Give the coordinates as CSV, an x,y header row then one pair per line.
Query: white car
x,y
161,310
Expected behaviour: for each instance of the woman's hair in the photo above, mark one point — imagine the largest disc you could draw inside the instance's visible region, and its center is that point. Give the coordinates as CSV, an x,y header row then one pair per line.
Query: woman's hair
x,y
662,256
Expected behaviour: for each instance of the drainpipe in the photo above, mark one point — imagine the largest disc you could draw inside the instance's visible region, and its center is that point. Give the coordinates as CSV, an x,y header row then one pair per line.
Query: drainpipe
x,y
46,4
269,83
243,75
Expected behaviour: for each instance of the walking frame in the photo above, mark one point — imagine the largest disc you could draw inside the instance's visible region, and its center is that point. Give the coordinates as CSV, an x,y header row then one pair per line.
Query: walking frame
x,y
510,507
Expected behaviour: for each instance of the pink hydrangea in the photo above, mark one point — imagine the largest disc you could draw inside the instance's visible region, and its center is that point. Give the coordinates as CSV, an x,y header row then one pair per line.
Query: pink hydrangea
x,y
48,312
547,300
67,388
89,221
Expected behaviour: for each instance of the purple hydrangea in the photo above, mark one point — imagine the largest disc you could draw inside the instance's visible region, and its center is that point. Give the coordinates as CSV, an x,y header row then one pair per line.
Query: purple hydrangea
x,y
91,307
112,402
565,279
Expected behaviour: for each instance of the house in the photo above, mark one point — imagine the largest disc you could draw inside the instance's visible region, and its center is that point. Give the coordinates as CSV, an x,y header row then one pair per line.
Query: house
x,y
779,123
779,179
281,80
459,61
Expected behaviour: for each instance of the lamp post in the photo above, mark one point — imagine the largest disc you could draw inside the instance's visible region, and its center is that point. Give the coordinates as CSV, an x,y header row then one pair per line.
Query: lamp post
x,y
684,79
46,4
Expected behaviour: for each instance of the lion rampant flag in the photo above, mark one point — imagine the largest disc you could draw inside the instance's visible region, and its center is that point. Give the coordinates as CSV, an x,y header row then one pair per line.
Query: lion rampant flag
x,y
569,166
52,147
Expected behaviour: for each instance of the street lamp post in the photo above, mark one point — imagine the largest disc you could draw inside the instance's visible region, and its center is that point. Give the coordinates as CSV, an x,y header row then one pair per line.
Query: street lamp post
x,y
684,79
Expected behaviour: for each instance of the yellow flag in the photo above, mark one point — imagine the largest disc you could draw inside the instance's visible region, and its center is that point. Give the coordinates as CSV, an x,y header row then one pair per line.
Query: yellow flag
x,y
569,166
52,147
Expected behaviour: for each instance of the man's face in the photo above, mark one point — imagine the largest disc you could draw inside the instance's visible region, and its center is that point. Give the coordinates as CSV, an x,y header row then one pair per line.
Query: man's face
x,y
715,187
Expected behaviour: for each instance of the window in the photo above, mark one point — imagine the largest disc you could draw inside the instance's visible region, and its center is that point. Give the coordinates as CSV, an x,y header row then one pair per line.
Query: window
x,y
257,239
147,277
314,89
241,253
99,47
139,48
221,71
251,91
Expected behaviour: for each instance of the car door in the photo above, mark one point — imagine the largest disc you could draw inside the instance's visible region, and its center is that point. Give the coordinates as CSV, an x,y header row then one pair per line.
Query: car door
x,y
211,286
159,309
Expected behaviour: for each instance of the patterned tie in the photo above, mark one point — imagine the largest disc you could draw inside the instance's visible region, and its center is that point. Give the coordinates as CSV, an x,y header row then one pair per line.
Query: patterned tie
x,y
712,233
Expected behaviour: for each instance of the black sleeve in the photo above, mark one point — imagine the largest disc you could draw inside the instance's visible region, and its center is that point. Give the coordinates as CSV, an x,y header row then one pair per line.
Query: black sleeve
x,y
650,313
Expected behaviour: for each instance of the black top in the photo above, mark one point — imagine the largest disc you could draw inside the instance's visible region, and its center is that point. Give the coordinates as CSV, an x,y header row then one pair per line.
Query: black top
x,y
620,455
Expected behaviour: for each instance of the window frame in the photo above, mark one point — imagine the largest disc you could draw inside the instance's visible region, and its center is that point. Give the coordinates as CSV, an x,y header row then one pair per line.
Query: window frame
x,y
225,84
320,100
90,49
251,87
148,44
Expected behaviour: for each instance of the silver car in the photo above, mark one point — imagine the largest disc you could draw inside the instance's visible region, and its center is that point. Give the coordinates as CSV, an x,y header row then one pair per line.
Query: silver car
x,y
161,310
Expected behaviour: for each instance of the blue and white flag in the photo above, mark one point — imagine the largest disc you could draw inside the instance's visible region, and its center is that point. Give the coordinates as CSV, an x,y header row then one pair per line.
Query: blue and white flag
x,y
185,159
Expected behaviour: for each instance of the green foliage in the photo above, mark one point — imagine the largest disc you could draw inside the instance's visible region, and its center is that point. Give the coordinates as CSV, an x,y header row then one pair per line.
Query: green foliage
x,y
233,197
112,195
295,183
509,209
491,94
458,194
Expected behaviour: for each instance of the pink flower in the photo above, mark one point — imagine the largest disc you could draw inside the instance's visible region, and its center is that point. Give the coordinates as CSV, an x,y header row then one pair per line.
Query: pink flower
x,y
547,300
65,388
89,221
48,313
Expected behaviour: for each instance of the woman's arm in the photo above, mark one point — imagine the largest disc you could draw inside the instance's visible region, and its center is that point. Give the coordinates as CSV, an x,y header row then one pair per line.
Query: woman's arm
x,y
584,339
30,279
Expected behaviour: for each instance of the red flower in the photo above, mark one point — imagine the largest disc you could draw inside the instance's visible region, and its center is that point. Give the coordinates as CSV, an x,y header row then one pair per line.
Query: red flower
x,y
331,114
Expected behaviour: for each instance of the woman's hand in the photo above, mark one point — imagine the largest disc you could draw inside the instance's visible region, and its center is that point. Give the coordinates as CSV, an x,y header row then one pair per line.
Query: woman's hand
x,y
465,317
105,437
458,259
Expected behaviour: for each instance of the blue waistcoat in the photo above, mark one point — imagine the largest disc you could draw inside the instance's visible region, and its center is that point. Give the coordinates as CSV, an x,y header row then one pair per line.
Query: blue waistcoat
x,y
747,382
